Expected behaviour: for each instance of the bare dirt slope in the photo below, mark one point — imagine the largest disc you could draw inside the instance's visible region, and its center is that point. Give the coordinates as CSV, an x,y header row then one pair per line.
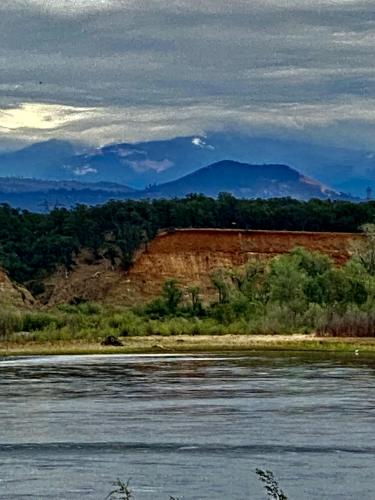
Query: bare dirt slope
x,y
90,280
189,255
13,295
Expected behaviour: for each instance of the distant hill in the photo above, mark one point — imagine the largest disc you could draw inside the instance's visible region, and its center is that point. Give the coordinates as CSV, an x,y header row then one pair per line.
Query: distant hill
x,y
21,185
244,181
42,196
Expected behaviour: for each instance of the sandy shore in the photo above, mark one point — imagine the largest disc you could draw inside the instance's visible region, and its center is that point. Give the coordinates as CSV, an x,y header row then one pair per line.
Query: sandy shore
x,y
199,343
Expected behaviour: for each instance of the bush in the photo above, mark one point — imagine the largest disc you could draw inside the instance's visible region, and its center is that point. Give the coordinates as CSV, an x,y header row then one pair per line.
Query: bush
x,y
172,295
89,308
156,309
39,321
353,323
10,322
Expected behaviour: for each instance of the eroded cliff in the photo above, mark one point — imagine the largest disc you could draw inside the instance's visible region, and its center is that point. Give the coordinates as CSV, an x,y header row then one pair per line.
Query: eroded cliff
x,y
190,256
13,295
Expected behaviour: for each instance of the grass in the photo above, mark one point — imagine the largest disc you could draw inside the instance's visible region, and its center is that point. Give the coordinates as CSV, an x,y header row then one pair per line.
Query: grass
x,y
193,344
80,329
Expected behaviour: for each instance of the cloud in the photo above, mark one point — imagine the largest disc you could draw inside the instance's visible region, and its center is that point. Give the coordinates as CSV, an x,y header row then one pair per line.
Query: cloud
x,y
37,116
114,70
352,118
201,143
145,165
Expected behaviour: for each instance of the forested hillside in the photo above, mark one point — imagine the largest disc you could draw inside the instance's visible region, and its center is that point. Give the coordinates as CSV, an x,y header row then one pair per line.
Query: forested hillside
x,y
32,245
245,180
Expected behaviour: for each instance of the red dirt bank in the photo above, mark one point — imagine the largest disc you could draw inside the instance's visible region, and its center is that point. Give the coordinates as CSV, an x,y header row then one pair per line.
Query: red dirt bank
x,y
190,255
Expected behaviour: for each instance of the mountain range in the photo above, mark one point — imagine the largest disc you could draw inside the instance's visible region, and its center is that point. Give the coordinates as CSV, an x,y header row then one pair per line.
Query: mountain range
x,y
157,162
240,179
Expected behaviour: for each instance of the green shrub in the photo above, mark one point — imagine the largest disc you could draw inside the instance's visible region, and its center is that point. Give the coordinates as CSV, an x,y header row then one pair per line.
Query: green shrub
x,y
10,322
89,308
156,309
172,295
34,321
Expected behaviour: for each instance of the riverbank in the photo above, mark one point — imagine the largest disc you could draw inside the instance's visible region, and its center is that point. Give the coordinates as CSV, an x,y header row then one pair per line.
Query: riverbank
x,y
193,344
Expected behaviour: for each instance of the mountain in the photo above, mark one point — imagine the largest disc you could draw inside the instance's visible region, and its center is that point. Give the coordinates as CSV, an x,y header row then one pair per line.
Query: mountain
x,y
144,163
240,179
244,181
346,169
41,160
131,164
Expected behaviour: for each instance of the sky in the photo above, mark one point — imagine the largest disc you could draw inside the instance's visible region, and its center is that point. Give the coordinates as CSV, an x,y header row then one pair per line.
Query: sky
x,y
103,71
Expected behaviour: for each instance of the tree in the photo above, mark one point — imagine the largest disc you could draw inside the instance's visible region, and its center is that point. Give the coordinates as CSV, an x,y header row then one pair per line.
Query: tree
x,y
286,282
111,253
172,295
222,287
196,302
364,251
129,239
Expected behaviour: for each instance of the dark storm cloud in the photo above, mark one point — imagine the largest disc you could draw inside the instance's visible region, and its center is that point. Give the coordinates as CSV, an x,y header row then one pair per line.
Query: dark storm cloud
x,y
186,66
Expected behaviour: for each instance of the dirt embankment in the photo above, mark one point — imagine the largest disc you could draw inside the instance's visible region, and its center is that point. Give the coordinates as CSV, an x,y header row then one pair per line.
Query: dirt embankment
x,y
189,255
89,280
13,295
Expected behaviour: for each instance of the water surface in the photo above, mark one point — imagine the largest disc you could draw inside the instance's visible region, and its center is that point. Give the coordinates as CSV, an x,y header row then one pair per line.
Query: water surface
x,y
192,426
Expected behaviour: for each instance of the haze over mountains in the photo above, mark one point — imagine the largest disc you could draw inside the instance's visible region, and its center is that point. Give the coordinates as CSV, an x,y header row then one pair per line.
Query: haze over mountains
x,y
144,163
274,167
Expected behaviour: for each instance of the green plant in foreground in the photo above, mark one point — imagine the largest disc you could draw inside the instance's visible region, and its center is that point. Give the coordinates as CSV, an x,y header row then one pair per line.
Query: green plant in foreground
x,y
271,485
123,492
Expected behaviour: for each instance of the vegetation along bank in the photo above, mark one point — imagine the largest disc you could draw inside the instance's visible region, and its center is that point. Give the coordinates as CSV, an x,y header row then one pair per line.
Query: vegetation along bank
x,y
302,292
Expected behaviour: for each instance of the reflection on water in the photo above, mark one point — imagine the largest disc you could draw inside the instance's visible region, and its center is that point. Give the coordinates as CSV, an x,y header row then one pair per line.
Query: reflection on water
x,y
193,426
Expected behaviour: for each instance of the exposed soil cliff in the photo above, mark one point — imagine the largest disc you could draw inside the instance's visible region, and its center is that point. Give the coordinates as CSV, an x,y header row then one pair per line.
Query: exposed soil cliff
x,y
190,255
89,280
12,295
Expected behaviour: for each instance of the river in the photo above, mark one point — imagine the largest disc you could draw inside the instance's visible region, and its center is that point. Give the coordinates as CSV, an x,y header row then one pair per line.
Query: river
x,y
196,427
